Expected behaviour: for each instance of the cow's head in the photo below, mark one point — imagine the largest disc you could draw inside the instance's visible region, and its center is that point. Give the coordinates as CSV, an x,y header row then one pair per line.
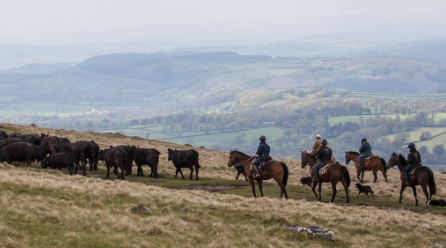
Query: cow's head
x,y
169,154
44,163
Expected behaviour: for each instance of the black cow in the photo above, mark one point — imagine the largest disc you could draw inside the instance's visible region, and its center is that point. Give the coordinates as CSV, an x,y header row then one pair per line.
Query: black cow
x,y
3,135
184,159
240,170
3,143
49,143
13,140
116,158
14,135
20,151
59,161
62,141
78,155
89,152
129,150
148,157
96,150
31,138
39,153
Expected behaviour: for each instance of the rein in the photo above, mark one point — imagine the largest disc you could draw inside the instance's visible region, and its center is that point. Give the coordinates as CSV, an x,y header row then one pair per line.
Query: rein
x,y
238,163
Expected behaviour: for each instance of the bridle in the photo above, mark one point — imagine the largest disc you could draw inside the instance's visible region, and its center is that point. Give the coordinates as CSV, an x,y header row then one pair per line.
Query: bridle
x,y
235,163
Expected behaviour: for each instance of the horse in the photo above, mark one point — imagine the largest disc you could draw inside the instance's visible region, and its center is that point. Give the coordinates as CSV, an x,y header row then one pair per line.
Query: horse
x,y
275,169
335,173
374,164
422,176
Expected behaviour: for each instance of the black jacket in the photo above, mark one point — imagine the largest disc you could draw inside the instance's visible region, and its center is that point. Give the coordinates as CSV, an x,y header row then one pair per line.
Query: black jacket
x,y
325,153
263,151
414,157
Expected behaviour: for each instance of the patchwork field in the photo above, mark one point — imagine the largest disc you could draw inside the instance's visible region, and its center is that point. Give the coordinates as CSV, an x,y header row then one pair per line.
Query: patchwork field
x,y
47,208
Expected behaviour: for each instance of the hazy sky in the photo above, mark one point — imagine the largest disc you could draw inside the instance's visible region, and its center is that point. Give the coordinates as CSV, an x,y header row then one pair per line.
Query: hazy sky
x,y
91,21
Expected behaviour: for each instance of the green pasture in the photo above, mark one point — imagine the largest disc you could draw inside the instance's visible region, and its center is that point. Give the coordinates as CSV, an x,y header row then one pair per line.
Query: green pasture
x,y
416,133
399,97
439,140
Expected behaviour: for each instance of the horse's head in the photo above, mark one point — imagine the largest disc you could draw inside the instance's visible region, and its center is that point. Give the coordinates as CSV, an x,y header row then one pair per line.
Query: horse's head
x,y
392,161
303,159
347,158
231,161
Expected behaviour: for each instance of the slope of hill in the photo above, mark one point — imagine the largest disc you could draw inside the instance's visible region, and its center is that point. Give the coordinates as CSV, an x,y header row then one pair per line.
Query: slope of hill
x,y
91,211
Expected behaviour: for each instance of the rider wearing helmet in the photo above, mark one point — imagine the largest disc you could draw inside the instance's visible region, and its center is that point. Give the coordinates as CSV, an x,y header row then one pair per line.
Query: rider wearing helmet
x,y
364,151
262,153
413,158
324,155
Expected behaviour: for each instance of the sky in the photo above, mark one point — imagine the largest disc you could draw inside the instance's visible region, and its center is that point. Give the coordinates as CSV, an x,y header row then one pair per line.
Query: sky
x,y
243,21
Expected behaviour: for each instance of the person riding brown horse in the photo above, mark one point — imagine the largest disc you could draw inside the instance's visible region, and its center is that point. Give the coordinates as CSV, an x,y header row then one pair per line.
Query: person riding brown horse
x,y
263,154
422,176
324,155
374,164
413,158
334,174
274,169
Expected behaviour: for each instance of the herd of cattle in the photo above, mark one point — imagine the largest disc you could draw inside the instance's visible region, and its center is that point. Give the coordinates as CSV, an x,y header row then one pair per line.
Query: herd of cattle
x,y
57,153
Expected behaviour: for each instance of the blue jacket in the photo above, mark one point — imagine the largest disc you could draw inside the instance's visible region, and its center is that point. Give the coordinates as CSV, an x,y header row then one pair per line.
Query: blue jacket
x,y
365,150
263,151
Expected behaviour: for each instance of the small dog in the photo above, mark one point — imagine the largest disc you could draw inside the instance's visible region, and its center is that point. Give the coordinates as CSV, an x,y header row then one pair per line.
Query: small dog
x,y
306,180
440,202
364,189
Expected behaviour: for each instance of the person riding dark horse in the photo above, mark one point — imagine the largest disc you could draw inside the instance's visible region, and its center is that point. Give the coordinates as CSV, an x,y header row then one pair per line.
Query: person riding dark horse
x,y
364,151
262,153
413,158
324,155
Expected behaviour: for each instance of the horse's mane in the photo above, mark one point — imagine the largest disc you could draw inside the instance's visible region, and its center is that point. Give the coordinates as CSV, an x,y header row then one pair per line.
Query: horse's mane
x,y
357,153
244,154
402,159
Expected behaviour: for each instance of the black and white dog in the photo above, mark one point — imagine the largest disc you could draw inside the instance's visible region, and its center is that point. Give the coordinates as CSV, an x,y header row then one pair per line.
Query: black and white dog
x,y
440,202
306,181
364,189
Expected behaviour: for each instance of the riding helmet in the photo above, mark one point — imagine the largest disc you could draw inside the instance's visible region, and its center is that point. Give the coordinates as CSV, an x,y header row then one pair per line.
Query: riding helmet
x,y
411,146
363,141
324,142
262,138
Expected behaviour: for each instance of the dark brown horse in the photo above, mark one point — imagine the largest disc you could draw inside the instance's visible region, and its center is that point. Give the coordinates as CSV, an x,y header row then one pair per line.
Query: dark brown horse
x,y
275,169
374,164
335,173
422,176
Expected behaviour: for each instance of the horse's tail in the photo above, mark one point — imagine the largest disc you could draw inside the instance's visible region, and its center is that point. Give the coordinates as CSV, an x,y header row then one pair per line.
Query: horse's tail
x,y
383,164
432,186
286,173
345,173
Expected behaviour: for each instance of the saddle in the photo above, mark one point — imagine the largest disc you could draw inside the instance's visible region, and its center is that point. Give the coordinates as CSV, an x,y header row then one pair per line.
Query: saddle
x,y
265,163
367,158
324,169
411,172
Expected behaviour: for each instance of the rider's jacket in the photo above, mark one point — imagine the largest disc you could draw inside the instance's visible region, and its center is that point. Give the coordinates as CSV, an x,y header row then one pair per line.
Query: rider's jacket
x,y
365,150
414,157
325,153
263,151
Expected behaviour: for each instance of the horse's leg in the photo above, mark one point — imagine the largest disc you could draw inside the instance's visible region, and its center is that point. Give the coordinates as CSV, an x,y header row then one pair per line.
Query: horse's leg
x,y
333,186
403,187
253,188
425,193
376,176
362,176
384,172
358,173
320,195
260,187
415,194
344,184
314,187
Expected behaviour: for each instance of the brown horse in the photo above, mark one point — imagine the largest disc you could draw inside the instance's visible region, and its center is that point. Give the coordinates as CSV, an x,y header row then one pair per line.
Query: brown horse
x,y
275,169
422,176
335,173
374,164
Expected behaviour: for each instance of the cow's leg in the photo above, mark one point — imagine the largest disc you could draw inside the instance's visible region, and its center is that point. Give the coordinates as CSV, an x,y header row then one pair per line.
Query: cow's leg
x,y
108,170
245,176
191,172
90,161
84,166
176,173
181,172
122,172
197,168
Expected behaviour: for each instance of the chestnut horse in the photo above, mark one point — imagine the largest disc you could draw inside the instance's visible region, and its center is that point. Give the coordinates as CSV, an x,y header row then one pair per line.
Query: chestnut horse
x,y
335,173
422,176
275,169
374,164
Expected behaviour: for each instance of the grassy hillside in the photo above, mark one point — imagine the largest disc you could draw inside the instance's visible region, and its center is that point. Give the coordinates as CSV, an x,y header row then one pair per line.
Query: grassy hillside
x,y
49,208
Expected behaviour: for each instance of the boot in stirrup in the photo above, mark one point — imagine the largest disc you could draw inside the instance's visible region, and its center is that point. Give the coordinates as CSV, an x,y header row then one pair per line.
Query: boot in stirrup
x,y
256,172
407,181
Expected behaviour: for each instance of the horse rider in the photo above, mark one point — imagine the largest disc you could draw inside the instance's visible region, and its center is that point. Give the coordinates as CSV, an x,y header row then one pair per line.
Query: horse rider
x,y
364,151
316,146
413,158
324,155
262,153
